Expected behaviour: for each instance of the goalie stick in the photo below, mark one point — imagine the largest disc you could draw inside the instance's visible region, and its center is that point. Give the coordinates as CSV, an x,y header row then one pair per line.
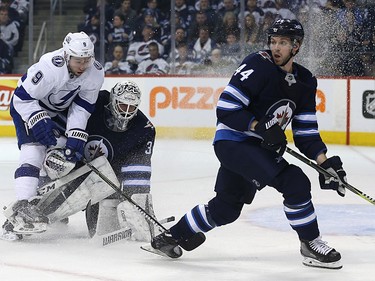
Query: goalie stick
x,y
325,172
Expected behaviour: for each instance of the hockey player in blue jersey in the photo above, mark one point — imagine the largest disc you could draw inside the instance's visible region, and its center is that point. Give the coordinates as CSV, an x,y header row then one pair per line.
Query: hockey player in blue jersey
x,y
68,79
267,92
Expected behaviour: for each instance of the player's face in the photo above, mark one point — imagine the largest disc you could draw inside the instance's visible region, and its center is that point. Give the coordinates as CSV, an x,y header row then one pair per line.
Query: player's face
x,y
78,65
280,48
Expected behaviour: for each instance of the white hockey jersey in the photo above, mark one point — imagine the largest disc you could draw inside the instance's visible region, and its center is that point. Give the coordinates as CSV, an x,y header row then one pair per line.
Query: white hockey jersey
x,y
138,51
149,66
48,85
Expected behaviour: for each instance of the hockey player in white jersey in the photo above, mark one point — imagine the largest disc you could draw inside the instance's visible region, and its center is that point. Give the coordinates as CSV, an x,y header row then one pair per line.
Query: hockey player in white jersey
x,y
66,80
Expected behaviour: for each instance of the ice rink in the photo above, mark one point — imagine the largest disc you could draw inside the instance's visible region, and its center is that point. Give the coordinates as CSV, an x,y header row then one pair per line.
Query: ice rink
x,y
259,246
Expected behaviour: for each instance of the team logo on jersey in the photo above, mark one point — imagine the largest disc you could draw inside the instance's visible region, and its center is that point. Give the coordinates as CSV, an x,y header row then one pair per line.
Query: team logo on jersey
x,y
143,50
368,104
58,61
97,146
61,101
152,68
290,79
283,110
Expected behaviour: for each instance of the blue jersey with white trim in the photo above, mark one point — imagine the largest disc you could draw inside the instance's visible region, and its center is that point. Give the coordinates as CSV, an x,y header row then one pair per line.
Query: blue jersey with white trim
x,y
129,152
259,87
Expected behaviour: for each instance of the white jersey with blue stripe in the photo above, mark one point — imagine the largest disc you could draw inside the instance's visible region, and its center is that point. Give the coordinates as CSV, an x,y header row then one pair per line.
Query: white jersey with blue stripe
x,y
49,86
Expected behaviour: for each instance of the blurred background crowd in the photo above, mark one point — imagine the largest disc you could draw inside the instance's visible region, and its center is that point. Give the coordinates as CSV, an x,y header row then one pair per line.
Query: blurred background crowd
x,y
210,36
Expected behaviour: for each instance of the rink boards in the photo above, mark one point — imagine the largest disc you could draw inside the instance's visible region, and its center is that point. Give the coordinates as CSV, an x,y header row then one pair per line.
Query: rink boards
x,y
181,106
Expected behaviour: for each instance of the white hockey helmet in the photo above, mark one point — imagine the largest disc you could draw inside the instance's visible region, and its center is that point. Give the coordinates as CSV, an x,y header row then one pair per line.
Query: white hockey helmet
x,y
125,98
79,45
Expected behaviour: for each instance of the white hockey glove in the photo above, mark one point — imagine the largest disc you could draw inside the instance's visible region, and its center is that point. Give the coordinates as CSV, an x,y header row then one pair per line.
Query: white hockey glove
x,y
56,164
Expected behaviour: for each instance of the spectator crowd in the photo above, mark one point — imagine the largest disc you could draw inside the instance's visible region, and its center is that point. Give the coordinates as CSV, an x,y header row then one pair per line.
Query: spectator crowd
x,y
211,36
13,21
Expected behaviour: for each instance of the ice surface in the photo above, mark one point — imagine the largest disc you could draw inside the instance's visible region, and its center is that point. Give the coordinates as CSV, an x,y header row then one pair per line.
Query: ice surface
x,y
259,246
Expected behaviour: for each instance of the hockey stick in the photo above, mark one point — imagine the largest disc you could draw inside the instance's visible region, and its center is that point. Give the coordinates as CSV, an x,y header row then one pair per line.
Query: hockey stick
x,y
122,194
327,173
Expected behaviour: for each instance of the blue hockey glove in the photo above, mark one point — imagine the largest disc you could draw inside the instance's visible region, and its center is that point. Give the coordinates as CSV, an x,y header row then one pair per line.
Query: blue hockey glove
x,y
274,138
41,125
334,166
75,144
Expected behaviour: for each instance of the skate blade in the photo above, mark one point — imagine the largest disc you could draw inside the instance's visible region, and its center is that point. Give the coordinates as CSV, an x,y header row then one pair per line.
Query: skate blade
x,y
10,236
315,263
24,229
150,249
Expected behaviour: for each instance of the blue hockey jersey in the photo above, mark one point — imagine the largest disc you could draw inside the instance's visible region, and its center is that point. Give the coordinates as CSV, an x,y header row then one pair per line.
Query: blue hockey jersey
x,y
259,87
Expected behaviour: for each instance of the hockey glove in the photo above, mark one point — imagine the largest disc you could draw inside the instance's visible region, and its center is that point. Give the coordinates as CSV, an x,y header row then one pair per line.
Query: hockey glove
x,y
334,166
75,144
41,125
274,138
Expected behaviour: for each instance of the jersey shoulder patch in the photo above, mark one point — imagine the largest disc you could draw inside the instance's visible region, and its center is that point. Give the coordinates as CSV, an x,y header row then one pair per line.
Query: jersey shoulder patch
x,y
58,61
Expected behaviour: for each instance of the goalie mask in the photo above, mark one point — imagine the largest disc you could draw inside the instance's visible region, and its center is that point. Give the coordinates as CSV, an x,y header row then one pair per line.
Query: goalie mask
x,y
125,98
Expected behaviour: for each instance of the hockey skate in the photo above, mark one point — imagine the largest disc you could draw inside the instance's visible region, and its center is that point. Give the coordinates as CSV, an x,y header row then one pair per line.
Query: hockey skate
x,y
26,218
164,245
317,253
8,233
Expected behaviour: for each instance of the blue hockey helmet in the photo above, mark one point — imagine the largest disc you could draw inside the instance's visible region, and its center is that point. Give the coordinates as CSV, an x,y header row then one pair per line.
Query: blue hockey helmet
x,y
288,28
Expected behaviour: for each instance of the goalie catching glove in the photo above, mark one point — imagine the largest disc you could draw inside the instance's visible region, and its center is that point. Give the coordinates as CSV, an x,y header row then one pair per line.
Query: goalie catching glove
x,y
333,165
56,165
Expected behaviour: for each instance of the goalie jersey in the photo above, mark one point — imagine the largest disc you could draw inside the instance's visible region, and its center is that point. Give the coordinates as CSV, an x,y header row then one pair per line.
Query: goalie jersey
x,y
129,152
259,87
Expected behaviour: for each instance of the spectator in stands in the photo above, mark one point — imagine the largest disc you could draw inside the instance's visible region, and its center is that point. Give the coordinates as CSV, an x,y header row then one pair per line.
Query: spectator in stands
x,y
130,15
184,63
349,38
281,11
18,13
231,50
368,62
180,37
8,29
118,65
92,29
6,58
251,31
152,5
119,33
227,6
148,18
184,12
253,8
229,25
92,7
138,50
202,47
268,20
218,65
154,64
200,20
204,6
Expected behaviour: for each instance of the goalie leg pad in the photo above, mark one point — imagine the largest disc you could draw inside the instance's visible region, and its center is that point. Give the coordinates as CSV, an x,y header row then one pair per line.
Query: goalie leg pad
x,y
72,199
142,229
